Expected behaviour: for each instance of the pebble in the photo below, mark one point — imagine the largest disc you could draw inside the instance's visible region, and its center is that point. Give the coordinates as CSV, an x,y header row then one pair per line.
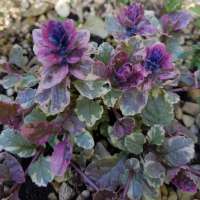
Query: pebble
x,y
197,121
172,196
164,190
62,8
178,113
52,196
191,108
84,195
188,120
194,129
66,192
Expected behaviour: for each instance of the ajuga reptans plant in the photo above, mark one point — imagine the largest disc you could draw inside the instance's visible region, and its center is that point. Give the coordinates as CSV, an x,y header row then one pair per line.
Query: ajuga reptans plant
x,y
123,94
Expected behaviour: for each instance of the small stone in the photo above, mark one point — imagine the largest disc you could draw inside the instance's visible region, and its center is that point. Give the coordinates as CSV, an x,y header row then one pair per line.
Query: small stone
x,y
164,190
172,196
191,108
52,196
194,129
188,120
194,93
62,8
185,196
85,194
197,121
178,113
66,192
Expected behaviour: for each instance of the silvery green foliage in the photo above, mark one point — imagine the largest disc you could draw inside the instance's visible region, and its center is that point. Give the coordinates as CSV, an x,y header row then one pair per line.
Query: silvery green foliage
x,y
156,135
40,171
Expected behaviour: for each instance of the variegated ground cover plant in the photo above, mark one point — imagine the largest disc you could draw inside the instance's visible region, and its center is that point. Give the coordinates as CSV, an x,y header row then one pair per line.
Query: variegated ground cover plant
x,y
102,111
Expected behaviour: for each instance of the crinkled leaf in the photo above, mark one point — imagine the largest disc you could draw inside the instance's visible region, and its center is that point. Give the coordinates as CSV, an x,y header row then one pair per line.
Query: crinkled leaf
x,y
40,171
133,102
10,113
178,150
61,158
73,124
123,126
156,135
134,143
92,89
157,111
88,111
111,97
35,116
107,172
105,52
38,132
84,140
173,5
15,170
133,164
26,98
13,142
54,100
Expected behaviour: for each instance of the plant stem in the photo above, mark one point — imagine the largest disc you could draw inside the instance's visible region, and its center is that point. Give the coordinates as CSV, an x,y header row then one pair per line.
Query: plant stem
x,y
130,176
85,178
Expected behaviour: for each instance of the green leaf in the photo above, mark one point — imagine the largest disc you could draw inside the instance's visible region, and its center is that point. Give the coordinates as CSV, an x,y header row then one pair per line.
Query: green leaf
x,y
106,172
173,98
158,111
178,150
134,143
40,171
92,89
96,26
14,143
175,48
105,51
10,81
156,135
35,116
111,97
173,5
27,81
88,111
132,102
84,140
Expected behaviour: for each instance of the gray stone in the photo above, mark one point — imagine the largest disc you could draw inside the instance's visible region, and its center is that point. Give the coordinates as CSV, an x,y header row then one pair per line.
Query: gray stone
x,y
197,121
188,120
178,113
62,8
191,108
66,192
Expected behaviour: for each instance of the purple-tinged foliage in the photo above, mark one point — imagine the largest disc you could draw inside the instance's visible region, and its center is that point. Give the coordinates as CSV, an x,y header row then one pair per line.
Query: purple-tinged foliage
x,y
174,22
157,58
12,168
126,75
123,126
182,179
39,132
61,157
132,19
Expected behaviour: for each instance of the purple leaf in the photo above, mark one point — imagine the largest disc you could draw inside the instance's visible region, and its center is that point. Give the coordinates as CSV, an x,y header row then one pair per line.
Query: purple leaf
x,y
123,126
39,132
175,21
14,170
182,179
61,157
73,124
